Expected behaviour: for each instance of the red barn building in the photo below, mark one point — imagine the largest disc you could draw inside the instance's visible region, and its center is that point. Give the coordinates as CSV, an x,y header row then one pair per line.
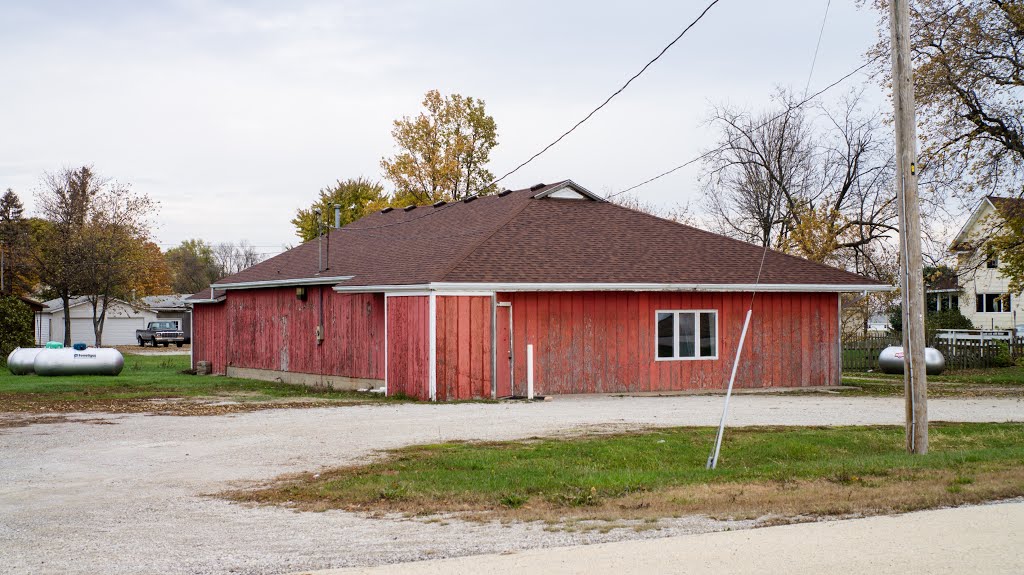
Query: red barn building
x,y
440,302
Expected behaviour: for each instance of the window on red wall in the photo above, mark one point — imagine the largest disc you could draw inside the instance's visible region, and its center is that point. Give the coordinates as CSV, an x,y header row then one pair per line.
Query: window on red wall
x,y
686,334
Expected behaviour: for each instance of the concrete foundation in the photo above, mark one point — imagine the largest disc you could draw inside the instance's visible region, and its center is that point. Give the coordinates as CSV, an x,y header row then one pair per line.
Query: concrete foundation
x,y
337,382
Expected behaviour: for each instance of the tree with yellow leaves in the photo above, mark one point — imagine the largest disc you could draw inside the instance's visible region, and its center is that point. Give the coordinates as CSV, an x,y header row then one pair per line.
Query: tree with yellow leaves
x,y
355,196
443,152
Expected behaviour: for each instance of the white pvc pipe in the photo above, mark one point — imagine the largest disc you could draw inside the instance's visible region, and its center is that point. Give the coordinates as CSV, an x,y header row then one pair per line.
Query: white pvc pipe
x,y
529,371
432,348
713,460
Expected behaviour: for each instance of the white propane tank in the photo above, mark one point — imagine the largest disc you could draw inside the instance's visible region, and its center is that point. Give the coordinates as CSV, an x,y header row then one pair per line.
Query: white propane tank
x,y
21,360
70,361
891,360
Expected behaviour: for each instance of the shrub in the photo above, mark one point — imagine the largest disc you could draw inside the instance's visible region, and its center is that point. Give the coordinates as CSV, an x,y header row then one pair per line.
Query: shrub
x,y
933,320
947,319
16,329
1002,357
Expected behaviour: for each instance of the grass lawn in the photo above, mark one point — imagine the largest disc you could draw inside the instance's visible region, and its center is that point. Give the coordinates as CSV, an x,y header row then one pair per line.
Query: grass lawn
x,y
999,381
146,380
660,473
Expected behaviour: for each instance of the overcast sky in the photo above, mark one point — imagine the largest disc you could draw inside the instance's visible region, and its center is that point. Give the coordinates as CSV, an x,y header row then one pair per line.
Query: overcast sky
x,y
233,114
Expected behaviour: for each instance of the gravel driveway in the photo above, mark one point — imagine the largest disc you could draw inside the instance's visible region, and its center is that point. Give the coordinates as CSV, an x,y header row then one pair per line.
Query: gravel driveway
x,y
126,494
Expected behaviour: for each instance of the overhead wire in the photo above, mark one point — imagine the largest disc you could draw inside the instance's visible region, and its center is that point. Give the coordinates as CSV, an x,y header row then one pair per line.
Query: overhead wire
x,y
814,60
704,155
564,134
613,95
712,462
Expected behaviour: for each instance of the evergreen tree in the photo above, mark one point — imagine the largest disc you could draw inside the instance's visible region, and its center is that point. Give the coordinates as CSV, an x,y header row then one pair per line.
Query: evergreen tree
x,y
14,239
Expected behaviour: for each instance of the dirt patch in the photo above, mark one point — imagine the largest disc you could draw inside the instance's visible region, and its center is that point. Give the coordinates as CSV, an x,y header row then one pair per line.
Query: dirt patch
x,y
879,387
773,502
136,350
180,407
11,420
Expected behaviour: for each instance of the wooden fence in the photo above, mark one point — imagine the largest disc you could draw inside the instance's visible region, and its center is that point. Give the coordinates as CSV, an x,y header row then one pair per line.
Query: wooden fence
x,y
861,354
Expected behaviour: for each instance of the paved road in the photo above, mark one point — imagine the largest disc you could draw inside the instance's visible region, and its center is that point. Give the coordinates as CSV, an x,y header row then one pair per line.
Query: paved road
x,y
130,497
985,539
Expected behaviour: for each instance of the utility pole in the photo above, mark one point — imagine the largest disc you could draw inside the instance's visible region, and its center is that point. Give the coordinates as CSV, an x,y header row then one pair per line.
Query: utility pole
x,y
911,274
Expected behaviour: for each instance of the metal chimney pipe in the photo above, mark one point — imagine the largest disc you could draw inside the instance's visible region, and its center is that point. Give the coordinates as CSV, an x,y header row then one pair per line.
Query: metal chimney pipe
x,y
337,215
320,241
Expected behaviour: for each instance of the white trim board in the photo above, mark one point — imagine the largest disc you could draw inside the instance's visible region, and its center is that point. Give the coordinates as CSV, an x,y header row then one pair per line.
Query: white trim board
x,y
960,238
215,300
458,288
569,185
282,283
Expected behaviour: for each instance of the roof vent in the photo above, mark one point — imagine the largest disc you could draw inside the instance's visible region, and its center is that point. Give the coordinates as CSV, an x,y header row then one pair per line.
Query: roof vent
x,y
409,208
439,204
386,210
536,187
504,193
469,199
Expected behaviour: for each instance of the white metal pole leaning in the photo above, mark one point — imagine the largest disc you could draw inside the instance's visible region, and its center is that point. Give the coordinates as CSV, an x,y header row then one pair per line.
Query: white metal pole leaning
x,y
713,459
911,274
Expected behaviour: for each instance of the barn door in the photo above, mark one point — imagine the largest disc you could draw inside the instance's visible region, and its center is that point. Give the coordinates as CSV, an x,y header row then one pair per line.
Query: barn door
x,y
503,350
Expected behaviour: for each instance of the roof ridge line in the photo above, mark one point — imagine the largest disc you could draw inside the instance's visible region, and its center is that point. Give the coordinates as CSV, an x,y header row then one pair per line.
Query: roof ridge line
x,y
468,252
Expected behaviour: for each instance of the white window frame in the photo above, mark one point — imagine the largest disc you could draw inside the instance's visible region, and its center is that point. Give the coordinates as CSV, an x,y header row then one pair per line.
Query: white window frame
x,y
1006,302
675,335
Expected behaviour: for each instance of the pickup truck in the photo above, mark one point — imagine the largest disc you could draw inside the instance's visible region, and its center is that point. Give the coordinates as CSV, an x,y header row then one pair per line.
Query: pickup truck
x,y
160,332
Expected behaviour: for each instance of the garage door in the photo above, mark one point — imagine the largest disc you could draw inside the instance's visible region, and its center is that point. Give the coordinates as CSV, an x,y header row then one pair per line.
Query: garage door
x,y
116,330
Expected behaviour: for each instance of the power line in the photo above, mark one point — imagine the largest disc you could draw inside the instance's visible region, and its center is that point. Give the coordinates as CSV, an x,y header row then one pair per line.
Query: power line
x,y
609,98
557,140
817,46
657,177
763,124
713,457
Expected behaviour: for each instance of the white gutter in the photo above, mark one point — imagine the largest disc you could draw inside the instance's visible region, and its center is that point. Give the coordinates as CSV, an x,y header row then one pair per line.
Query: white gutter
x,y
529,287
216,300
282,283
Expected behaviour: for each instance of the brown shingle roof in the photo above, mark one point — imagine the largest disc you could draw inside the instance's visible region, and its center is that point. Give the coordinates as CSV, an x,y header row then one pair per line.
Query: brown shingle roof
x,y
519,238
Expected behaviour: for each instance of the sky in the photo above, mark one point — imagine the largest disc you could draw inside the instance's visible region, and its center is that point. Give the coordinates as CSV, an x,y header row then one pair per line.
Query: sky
x,y
234,114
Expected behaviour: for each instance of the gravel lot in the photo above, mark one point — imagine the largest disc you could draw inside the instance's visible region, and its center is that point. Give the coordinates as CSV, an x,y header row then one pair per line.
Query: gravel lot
x,y
126,494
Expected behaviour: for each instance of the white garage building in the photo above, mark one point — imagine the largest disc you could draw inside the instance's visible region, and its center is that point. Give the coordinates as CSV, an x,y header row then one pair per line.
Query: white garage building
x,y
118,329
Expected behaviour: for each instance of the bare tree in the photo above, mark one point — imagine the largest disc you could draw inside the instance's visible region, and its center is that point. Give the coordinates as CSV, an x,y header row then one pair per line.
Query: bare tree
x,y
819,187
232,258
759,172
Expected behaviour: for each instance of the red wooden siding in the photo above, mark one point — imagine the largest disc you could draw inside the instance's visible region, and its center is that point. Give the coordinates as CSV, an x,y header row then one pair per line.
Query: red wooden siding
x,y
272,329
601,342
584,342
463,347
208,341
408,327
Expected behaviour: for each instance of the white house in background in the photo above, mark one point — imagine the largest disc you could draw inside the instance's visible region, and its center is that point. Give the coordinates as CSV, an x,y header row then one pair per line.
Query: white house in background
x,y
118,328
986,299
878,324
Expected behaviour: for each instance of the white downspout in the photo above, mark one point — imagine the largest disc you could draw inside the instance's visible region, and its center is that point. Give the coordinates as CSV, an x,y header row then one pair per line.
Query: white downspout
x,y
432,340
